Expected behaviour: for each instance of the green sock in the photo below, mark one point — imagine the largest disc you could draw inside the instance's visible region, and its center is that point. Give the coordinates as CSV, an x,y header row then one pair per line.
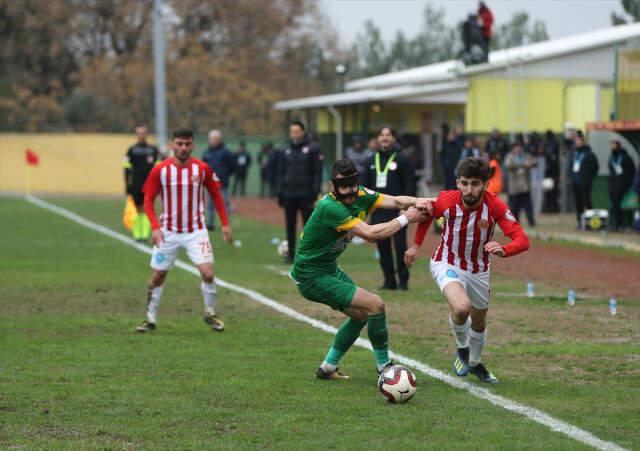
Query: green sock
x,y
379,337
346,336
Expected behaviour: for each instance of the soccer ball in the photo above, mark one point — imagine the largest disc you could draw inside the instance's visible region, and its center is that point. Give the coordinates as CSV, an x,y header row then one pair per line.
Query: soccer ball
x,y
283,248
397,383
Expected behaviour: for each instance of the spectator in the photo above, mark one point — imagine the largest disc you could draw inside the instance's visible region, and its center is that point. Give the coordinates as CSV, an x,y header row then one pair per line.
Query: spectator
x,y
266,176
460,136
299,177
518,166
273,165
584,168
469,149
358,154
495,176
242,165
449,157
551,151
221,160
372,147
390,172
621,173
535,150
496,143
485,21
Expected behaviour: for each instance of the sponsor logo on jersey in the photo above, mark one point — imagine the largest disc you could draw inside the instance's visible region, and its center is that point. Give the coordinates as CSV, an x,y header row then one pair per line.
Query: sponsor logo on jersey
x,y
483,224
452,274
510,216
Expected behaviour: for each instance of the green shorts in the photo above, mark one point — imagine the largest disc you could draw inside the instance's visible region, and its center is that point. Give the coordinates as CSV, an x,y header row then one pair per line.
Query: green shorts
x,y
335,290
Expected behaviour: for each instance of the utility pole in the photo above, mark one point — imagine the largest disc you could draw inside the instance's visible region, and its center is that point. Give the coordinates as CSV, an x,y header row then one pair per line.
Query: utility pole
x,y
159,76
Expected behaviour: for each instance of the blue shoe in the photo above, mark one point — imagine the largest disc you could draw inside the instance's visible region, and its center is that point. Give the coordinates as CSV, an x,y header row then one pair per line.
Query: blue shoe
x,y
483,374
461,363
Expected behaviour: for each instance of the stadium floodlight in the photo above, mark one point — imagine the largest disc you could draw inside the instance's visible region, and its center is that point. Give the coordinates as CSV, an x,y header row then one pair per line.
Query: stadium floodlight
x,y
159,76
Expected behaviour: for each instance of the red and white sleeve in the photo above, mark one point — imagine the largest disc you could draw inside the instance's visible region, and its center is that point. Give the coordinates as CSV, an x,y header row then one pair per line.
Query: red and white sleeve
x,y
511,228
150,190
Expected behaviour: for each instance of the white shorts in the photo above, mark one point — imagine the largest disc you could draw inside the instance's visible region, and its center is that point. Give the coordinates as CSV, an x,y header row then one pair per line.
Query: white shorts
x,y
476,285
196,244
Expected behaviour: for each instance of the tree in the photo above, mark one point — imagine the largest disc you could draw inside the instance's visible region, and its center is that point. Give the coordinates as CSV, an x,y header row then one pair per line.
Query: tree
x,y
373,56
519,31
631,8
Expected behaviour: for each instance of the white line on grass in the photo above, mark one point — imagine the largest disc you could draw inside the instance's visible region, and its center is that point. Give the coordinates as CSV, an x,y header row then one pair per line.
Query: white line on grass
x,y
533,414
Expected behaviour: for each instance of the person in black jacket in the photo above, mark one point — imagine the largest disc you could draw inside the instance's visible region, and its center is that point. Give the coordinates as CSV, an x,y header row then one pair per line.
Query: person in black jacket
x,y
222,161
242,165
584,168
138,162
621,172
390,172
551,149
300,176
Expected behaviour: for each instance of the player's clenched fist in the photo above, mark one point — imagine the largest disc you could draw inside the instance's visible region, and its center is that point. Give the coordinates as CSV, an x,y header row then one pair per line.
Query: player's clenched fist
x,y
226,233
411,255
415,215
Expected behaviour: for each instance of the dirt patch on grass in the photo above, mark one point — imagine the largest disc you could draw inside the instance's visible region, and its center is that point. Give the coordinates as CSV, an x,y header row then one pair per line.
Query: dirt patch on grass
x,y
586,271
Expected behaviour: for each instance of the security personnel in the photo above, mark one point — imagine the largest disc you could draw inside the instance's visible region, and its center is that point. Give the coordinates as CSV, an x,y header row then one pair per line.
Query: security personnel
x,y
390,172
299,178
138,163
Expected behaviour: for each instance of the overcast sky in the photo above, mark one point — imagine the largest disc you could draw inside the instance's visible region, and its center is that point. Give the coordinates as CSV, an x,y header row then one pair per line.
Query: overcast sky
x,y
563,17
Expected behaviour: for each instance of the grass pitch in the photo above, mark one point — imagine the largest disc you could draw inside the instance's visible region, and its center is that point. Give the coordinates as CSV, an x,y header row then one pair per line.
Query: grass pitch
x,y
73,374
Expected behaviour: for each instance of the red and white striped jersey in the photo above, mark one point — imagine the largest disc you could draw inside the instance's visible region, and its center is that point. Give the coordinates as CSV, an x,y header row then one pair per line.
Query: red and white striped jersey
x,y
466,231
182,191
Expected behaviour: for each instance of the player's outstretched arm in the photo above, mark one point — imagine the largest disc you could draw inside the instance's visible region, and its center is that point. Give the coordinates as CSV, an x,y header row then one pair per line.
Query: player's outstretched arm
x,y
404,202
386,229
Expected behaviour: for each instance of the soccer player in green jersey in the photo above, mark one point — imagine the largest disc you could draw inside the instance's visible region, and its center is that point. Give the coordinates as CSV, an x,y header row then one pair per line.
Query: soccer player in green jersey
x,y
336,219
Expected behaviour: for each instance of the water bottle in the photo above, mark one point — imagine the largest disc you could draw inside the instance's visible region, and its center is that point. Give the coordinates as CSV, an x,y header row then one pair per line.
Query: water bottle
x,y
571,297
613,305
530,289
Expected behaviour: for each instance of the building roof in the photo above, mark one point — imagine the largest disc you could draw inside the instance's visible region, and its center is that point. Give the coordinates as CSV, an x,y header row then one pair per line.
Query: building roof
x,y
450,76
499,59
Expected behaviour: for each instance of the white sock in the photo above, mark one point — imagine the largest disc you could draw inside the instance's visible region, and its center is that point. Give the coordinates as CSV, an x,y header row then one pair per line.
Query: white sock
x,y
209,293
155,294
461,332
328,367
476,343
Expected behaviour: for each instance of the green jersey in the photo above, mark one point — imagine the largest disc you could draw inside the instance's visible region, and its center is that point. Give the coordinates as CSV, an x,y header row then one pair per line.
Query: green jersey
x,y
326,233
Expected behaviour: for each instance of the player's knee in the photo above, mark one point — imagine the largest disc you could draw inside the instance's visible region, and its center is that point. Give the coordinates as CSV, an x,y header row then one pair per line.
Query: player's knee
x,y
376,305
460,312
207,276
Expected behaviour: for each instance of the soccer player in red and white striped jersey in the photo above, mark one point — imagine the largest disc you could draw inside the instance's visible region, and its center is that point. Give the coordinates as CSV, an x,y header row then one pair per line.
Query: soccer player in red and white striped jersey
x,y
460,265
181,181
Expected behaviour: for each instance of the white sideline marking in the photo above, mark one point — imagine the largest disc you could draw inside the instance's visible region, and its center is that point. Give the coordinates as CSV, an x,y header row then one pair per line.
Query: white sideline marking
x,y
533,414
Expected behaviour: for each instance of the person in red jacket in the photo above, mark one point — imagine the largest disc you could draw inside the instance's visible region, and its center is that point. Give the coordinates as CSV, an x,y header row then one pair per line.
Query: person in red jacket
x,y
460,264
181,181
485,21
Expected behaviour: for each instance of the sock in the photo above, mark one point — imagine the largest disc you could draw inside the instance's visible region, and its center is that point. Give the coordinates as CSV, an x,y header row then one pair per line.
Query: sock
x,y
344,339
461,333
476,343
209,293
155,294
379,337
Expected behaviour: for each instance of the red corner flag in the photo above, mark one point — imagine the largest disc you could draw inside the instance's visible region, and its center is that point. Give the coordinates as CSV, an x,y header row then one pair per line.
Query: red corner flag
x,y
32,157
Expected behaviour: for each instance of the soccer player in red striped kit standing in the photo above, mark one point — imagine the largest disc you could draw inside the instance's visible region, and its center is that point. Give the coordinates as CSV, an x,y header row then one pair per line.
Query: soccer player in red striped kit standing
x,y
460,265
181,181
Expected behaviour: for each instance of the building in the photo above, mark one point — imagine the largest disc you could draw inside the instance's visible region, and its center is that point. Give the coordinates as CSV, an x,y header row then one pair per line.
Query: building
x,y
534,87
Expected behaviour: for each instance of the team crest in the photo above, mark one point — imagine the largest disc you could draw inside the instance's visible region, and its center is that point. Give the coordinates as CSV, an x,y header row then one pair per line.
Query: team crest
x,y
510,216
483,224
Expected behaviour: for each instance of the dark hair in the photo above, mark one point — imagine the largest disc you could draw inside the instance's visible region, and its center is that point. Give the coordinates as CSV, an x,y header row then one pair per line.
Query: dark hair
x,y
343,167
184,133
474,167
298,123
391,130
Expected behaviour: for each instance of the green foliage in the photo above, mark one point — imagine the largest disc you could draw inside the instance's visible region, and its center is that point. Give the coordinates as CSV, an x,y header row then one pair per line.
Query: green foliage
x,y
519,31
631,8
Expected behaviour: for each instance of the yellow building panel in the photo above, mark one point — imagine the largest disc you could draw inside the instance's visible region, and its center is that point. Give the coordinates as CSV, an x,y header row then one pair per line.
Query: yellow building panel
x,y
580,104
323,123
69,163
606,103
516,105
